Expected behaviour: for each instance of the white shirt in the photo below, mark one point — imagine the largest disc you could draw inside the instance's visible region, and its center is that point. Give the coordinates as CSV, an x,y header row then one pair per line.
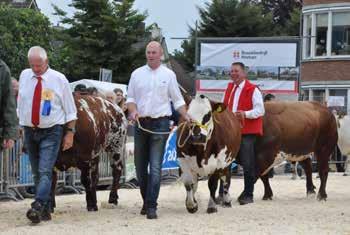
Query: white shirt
x,y
63,108
258,103
152,90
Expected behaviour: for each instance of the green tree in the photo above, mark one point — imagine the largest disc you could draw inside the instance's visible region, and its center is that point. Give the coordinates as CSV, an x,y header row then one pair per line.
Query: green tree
x,y
102,34
282,10
21,29
226,18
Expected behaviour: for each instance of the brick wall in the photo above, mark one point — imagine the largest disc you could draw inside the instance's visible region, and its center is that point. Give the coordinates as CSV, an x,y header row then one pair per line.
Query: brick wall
x,y
313,2
325,70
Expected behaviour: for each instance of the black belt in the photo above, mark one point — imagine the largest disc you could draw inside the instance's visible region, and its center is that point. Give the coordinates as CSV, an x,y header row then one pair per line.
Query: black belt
x,y
153,119
35,128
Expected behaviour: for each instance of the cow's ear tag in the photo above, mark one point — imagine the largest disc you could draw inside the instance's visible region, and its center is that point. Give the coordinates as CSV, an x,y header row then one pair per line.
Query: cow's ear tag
x,y
219,109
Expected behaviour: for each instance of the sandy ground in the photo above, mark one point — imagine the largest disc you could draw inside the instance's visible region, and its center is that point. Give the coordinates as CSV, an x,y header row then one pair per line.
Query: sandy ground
x,y
291,212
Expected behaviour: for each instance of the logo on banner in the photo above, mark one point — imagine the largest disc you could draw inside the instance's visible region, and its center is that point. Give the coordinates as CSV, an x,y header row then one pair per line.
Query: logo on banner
x,y
170,157
236,54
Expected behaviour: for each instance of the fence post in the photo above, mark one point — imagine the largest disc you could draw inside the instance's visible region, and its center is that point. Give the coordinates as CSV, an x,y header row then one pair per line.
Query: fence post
x,y
4,193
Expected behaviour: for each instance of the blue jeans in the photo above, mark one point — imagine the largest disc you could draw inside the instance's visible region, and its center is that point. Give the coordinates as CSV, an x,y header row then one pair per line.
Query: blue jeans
x,y
149,151
43,146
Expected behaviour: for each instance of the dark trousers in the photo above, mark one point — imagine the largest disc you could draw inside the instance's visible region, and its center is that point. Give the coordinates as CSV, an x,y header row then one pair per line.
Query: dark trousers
x,y
246,157
149,151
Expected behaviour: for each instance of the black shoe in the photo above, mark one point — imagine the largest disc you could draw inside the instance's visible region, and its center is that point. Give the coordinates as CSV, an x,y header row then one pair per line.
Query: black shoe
x,y
152,213
143,210
34,213
46,215
245,200
241,196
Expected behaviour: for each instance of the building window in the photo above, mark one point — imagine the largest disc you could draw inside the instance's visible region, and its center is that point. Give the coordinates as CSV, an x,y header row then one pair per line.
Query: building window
x,y
341,33
321,34
307,31
319,96
342,106
326,34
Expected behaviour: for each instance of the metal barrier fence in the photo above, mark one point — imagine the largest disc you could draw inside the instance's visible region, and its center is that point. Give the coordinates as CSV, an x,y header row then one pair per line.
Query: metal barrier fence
x,y
16,174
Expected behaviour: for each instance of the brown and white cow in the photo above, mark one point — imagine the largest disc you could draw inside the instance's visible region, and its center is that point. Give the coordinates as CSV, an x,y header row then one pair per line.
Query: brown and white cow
x,y
343,124
101,127
206,148
297,128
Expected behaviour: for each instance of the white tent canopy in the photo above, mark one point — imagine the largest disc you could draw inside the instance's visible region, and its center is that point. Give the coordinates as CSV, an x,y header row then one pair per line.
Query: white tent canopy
x,y
102,87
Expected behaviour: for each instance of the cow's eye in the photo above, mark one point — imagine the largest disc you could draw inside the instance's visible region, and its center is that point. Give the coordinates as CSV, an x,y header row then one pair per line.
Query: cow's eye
x,y
206,118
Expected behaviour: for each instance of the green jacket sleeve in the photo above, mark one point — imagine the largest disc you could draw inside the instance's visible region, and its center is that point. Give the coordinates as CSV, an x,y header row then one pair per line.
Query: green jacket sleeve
x,y
9,120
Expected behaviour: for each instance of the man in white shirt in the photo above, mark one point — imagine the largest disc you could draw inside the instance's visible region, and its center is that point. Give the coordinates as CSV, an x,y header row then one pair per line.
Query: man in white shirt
x,y
47,112
151,89
245,100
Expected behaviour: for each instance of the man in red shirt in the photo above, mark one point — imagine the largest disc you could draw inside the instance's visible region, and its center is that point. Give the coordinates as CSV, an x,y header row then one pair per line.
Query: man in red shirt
x,y
245,100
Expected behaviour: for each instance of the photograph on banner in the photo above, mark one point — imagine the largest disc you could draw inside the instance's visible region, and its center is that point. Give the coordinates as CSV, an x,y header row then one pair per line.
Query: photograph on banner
x,y
266,65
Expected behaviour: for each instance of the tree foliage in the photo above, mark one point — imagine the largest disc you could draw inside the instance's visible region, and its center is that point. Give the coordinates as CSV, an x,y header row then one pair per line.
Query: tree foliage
x,y
100,35
21,29
282,10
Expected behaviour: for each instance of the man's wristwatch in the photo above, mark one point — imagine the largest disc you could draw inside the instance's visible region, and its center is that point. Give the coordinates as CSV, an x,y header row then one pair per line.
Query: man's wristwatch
x,y
71,129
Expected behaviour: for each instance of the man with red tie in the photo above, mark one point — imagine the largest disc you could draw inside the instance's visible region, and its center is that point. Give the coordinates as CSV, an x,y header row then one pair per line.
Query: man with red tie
x,y
47,112
245,100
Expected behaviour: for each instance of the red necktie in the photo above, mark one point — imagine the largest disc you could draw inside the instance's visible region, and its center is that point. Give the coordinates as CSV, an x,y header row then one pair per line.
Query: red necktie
x,y
231,98
36,103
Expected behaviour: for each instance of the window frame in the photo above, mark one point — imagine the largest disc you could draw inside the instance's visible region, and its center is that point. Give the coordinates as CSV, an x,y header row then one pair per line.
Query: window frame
x,y
312,42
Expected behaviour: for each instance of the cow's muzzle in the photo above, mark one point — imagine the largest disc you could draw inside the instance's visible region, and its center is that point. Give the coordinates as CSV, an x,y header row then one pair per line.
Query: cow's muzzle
x,y
197,137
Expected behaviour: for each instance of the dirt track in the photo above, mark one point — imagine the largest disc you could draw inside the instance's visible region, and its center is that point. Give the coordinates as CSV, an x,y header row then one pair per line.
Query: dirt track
x,y
289,213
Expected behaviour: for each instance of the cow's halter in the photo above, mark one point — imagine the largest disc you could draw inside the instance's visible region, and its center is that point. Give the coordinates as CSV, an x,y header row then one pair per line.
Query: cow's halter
x,y
191,127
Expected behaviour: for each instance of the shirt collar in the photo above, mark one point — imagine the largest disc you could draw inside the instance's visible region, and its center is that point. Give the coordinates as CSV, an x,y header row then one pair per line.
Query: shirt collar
x,y
241,85
44,76
150,69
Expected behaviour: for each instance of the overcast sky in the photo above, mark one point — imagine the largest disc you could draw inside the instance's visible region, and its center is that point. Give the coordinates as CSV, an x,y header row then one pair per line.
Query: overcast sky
x,y
172,16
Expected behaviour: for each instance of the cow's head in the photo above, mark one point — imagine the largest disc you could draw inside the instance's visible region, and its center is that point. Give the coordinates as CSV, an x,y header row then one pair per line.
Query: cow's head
x,y
201,110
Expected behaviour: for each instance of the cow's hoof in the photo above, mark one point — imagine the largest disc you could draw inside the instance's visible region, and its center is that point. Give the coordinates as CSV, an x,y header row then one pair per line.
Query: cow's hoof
x,y
113,201
219,200
113,198
310,193
322,197
226,204
92,208
266,198
211,210
192,210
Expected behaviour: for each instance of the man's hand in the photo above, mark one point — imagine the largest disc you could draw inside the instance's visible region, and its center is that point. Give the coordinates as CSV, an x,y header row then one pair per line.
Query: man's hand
x,y
187,117
67,141
183,112
134,116
8,143
241,116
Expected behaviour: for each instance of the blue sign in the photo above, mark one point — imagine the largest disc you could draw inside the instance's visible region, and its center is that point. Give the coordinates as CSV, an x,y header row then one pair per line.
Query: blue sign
x,y
169,158
25,170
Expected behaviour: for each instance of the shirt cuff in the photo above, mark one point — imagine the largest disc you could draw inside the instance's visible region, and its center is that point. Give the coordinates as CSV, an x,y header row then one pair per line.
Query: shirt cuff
x,y
248,114
130,100
178,104
71,117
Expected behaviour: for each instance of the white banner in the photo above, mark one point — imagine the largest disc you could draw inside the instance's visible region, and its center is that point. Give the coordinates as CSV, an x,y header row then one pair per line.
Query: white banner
x,y
334,101
251,54
273,86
